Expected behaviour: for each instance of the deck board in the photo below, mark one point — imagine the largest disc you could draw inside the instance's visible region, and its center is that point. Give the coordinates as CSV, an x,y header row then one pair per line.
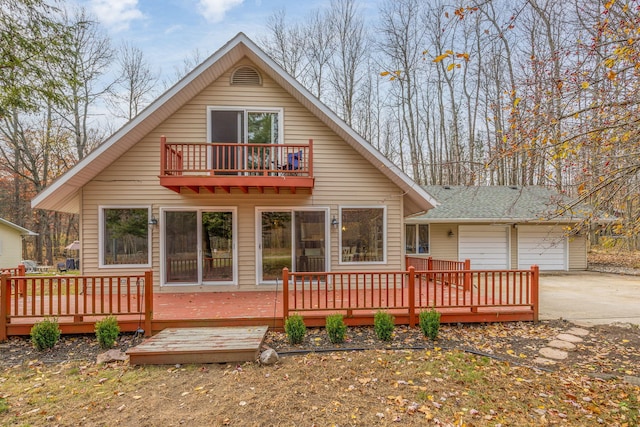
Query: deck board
x,y
200,345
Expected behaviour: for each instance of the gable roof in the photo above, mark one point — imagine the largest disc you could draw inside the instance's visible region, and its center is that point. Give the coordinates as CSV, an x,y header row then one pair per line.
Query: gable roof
x,y
502,204
63,194
17,228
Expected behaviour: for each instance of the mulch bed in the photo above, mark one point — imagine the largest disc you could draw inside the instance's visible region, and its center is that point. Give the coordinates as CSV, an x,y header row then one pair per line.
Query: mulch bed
x,y
608,349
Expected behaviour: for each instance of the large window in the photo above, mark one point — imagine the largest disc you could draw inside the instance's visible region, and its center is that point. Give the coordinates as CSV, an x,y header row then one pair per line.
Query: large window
x,y
362,234
416,237
125,236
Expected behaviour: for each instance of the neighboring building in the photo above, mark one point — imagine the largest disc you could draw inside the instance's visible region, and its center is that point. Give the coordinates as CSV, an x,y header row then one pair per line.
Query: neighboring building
x,y
500,227
11,241
255,174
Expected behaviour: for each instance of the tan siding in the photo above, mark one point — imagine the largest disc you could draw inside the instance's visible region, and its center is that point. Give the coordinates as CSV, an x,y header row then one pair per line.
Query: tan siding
x,y
578,252
514,247
343,178
443,246
10,247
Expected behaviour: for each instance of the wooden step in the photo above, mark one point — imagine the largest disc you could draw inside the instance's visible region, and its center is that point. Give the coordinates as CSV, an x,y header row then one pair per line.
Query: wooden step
x,y
200,345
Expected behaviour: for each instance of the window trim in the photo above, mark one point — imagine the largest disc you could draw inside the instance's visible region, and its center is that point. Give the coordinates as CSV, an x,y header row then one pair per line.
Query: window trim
x,y
101,236
385,238
417,225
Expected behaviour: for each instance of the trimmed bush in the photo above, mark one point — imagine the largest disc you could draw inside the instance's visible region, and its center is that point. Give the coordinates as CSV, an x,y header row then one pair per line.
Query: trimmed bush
x,y
295,328
430,323
383,324
107,331
45,334
336,328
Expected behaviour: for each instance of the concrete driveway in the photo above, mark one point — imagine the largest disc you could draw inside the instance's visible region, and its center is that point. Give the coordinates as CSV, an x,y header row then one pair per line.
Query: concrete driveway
x,y
590,298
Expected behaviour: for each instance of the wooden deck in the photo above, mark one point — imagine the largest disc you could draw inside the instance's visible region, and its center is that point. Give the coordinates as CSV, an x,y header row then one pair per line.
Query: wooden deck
x,y
79,301
200,345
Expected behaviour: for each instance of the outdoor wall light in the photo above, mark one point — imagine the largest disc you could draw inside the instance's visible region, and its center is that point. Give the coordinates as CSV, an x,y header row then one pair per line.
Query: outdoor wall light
x,y
153,221
334,222
450,233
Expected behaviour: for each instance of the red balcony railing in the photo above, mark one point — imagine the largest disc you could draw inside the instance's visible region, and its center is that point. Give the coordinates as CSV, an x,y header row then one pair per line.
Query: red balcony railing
x,y
227,159
235,165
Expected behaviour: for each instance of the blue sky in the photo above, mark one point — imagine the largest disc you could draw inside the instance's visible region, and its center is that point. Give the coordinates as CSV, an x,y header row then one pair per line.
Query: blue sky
x,y
168,31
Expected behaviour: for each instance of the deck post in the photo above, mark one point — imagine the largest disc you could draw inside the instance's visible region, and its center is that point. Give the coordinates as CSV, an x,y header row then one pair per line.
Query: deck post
x,y
467,274
285,294
535,276
412,296
148,302
22,283
163,155
430,264
5,304
310,157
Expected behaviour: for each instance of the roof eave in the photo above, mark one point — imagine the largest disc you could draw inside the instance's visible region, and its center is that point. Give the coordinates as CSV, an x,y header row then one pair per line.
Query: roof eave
x,y
494,220
23,231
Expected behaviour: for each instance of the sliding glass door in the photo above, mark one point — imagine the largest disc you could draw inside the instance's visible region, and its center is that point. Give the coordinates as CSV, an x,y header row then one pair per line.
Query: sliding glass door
x,y
296,239
232,129
199,247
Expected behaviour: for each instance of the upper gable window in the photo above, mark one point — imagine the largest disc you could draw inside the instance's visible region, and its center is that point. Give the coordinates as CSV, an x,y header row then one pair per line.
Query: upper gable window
x,y
246,76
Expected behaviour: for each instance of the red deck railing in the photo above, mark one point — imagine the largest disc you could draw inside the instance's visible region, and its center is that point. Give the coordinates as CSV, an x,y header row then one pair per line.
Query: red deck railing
x,y
430,264
225,159
460,295
20,270
472,294
71,299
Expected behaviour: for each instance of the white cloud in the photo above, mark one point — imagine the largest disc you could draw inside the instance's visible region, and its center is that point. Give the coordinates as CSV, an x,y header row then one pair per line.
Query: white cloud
x,y
214,10
116,14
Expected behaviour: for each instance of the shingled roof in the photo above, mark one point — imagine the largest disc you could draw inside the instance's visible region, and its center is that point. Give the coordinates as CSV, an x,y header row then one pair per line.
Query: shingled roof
x,y
501,204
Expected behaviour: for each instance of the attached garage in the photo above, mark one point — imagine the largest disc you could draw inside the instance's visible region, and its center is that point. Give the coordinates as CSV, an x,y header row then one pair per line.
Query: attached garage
x,y
487,246
504,227
544,246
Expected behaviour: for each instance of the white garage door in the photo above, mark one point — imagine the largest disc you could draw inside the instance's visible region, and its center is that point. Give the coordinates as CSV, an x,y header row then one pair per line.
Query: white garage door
x,y
487,246
542,245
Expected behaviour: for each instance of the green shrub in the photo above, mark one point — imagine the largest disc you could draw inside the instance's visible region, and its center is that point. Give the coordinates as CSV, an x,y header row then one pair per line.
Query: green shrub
x,y
430,323
45,334
383,324
4,406
295,328
336,328
107,331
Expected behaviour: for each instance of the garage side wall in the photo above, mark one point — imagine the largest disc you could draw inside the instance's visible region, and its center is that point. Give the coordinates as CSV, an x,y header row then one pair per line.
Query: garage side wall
x,y
578,246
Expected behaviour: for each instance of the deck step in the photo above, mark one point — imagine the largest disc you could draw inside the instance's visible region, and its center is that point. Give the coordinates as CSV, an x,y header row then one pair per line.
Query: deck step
x,y
200,345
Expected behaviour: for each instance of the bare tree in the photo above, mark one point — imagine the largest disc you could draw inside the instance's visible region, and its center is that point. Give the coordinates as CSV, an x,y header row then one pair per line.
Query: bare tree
x,y
286,44
402,43
136,84
320,48
347,64
85,65
32,146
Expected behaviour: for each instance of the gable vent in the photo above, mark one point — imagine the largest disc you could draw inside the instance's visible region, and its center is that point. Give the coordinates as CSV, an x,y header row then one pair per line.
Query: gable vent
x,y
246,76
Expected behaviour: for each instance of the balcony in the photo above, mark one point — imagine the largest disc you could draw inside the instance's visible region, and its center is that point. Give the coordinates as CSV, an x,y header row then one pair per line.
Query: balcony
x,y
221,167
